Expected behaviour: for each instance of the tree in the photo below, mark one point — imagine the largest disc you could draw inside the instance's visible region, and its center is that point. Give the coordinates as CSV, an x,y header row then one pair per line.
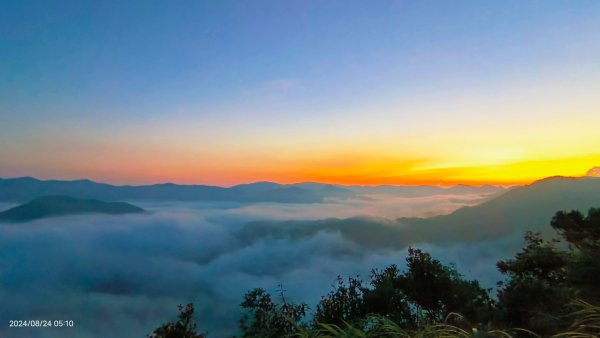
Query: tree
x,y
582,232
265,318
387,298
426,292
343,304
436,290
184,327
583,235
535,294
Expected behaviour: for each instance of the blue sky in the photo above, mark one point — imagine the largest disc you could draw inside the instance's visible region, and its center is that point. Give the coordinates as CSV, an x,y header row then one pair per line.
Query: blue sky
x,y
84,72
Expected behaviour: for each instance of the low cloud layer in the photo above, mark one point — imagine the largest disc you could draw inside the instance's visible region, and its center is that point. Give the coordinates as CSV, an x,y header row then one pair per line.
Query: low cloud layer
x,y
122,276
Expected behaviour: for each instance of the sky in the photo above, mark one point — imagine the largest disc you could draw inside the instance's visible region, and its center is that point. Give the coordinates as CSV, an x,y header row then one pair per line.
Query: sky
x,y
349,92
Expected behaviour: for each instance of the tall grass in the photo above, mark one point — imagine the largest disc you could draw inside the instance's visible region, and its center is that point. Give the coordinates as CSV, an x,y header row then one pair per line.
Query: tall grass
x,y
586,324
586,321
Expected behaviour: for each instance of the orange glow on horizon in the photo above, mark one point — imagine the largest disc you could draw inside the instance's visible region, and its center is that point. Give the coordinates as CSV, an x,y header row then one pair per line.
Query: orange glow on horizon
x,y
348,172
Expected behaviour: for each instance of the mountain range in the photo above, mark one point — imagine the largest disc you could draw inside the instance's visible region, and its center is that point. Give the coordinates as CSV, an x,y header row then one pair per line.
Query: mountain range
x,y
523,208
19,190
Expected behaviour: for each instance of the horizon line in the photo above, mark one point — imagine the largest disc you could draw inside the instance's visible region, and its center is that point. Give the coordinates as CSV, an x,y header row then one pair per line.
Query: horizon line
x,y
439,185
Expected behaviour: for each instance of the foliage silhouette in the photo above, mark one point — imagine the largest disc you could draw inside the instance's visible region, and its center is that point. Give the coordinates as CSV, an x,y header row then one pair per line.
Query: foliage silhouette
x,y
184,327
266,319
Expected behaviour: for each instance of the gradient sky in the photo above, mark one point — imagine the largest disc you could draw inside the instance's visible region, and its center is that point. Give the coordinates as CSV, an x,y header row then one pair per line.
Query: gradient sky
x,y
354,92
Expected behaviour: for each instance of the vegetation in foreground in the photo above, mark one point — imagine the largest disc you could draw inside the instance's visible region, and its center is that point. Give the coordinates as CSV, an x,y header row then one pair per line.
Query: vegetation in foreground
x,y
541,296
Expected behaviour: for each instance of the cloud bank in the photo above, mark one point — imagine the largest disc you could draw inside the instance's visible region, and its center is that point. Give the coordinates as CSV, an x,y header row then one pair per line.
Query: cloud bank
x,y
124,275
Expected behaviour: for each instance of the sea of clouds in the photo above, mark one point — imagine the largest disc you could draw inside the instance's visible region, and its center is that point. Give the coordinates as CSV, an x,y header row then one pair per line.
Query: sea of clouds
x,y
122,276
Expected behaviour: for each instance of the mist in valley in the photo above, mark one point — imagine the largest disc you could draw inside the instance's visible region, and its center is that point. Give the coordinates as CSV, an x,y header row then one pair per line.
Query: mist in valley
x,y
124,275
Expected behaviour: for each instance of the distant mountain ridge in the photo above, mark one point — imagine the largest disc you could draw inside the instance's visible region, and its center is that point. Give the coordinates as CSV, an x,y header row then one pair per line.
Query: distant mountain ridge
x,y
416,191
53,206
27,188
529,207
23,189
520,209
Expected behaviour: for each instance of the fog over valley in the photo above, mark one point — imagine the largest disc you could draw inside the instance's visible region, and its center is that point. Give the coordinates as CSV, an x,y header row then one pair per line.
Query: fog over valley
x,y
123,274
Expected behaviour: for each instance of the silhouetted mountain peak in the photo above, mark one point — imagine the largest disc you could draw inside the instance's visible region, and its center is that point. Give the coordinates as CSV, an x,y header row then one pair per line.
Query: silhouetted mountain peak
x,y
57,205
